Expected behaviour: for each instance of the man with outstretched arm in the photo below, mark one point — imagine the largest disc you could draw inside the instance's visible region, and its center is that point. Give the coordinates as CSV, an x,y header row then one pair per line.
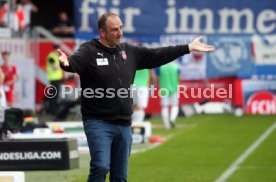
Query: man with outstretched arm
x,y
107,68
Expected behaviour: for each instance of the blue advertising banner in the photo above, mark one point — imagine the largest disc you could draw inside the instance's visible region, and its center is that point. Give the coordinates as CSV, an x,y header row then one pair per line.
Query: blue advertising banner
x,y
264,56
234,27
154,17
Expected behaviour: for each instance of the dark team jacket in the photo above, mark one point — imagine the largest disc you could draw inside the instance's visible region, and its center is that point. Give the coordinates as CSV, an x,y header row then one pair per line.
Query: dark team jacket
x,y
104,71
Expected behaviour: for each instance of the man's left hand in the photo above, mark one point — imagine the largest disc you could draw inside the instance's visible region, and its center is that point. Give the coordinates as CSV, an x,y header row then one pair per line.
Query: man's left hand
x,y
197,45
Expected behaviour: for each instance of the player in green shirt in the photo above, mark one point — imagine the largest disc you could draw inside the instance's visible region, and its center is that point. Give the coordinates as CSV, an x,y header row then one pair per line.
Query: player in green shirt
x,y
168,76
140,94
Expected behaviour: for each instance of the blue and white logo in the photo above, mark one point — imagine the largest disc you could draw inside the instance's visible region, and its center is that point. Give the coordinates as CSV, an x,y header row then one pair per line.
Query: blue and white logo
x,y
229,54
231,57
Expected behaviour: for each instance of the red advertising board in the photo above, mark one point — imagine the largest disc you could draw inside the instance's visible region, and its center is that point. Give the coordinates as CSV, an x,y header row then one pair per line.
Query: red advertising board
x,y
263,102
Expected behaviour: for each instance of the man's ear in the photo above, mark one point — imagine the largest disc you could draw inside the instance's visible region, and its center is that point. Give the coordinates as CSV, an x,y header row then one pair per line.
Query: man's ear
x,y
102,32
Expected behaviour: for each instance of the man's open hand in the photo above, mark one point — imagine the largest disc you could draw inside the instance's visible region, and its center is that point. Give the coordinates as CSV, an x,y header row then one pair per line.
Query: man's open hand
x,y
197,45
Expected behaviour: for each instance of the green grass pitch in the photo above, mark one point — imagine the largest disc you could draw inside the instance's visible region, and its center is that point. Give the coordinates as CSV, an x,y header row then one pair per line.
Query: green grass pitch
x,y
199,149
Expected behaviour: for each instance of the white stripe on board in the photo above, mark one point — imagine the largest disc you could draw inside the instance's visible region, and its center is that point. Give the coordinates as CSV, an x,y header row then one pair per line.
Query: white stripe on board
x,y
233,167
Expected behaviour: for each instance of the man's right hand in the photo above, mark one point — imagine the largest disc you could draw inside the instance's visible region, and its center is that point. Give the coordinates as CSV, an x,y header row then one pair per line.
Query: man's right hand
x,y
63,58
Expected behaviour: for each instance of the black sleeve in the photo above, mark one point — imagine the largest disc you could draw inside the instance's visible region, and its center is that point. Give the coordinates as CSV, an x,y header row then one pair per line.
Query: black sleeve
x,y
67,68
150,58
77,61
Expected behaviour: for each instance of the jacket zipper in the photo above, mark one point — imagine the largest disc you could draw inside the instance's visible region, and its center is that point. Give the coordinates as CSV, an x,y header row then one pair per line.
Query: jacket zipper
x,y
120,81
117,67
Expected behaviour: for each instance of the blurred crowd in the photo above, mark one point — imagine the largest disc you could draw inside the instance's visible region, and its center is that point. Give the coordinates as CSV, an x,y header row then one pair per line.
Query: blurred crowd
x,y
16,15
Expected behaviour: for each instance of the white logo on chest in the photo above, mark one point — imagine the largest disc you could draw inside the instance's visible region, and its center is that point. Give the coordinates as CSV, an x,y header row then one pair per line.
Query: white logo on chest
x,y
102,61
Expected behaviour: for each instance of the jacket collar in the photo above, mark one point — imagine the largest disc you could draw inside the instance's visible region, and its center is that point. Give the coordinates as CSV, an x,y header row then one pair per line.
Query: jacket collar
x,y
97,43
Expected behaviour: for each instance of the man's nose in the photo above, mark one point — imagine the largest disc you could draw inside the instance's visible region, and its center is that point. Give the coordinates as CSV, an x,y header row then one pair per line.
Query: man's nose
x,y
120,32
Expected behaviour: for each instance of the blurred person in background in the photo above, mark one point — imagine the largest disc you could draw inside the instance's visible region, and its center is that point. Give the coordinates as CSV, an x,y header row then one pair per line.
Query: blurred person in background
x,y
28,9
11,76
10,17
54,76
141,83
140,94
169,76
3,101
106,64
3,11
63,26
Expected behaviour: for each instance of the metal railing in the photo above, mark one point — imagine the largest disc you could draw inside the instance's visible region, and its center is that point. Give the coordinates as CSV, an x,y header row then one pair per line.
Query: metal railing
x,y
37,33
39,30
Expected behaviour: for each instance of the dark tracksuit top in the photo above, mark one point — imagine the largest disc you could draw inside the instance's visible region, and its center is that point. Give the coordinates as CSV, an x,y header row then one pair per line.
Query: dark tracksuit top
x,y
103,68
